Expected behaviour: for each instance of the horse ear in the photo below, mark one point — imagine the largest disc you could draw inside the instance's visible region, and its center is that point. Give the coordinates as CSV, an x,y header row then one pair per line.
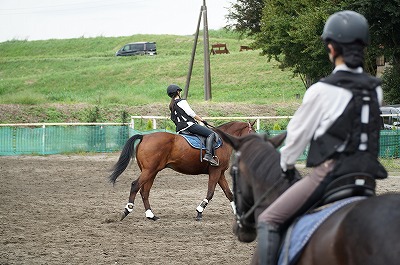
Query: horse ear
x,y
229,139
278,139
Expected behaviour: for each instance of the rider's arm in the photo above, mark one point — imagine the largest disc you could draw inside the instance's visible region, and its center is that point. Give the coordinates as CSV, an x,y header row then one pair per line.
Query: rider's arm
x,y
321,106
301,129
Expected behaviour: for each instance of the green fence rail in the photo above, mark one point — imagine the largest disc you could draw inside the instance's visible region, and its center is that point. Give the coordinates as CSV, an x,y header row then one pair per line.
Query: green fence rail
x,y
389,144
56,139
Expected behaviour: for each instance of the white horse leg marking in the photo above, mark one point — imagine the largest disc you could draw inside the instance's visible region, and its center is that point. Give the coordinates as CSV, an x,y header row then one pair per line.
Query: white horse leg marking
x,y
149,214
129,207
233,207
202,205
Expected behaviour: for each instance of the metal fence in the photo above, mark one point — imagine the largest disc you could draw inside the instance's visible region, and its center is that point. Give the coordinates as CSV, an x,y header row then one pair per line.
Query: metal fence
x,y
61,138
56,139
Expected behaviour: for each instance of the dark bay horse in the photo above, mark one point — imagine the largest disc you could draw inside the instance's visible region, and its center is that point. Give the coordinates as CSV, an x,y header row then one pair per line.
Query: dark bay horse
x,y
160,150
363,232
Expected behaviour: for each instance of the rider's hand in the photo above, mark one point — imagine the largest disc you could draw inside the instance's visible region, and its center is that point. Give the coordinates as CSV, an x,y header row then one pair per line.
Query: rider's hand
x,y
289,174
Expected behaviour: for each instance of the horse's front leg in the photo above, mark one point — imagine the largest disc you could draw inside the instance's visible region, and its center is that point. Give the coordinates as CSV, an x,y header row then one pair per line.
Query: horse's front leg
x,y
223,183
145,193
212,183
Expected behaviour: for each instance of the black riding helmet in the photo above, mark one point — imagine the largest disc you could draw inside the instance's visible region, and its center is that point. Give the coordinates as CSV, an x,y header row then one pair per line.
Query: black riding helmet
x,y
172,90
346,27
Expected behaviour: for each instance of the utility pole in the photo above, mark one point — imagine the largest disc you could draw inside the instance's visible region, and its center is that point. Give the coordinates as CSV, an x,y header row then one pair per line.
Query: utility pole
x,y
207,71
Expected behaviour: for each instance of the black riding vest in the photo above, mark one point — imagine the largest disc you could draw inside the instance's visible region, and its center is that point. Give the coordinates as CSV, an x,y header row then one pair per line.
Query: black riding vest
x,y
349,132
180,117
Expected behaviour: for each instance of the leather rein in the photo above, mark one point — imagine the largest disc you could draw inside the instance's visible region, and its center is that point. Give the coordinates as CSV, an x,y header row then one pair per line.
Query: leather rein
x,y
235,173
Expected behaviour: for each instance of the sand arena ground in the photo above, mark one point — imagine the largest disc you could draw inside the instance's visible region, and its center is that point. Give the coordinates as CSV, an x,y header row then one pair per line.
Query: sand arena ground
x,y
57,210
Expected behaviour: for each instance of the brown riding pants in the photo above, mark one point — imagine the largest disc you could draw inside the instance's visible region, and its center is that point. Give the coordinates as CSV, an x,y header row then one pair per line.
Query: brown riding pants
x,y
283,208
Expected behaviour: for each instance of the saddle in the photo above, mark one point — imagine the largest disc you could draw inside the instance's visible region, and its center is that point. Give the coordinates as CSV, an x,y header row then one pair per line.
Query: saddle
x,y
349,185
199,142
340,192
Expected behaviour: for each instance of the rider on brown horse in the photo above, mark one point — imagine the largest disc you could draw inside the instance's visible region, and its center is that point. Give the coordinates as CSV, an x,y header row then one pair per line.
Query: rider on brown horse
x,y
339,118
186,119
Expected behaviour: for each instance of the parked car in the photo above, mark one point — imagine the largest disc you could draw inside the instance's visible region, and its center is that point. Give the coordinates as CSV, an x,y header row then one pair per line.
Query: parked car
x,y
390,117
137,48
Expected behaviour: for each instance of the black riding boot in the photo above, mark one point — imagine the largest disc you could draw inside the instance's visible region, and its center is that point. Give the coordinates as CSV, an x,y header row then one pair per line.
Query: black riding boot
x,y
209,146
268,240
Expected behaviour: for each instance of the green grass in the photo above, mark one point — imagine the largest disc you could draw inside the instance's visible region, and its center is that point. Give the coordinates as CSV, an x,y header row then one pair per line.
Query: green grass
x,y
85,70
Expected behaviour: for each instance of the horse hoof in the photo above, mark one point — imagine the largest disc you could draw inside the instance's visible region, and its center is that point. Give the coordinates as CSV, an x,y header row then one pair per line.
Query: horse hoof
x,y
199,216
122,216
154,218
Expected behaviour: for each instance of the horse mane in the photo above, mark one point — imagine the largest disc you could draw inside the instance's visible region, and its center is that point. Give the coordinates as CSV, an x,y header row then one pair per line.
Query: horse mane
x,y
228,124
260,157
233,126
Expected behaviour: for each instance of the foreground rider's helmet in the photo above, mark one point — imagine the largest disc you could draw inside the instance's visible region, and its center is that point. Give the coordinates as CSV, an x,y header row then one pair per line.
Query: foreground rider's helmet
x,y
346,27
172,90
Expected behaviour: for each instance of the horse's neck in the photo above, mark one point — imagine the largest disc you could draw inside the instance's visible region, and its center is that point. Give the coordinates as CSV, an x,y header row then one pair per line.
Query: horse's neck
x,y
231,129
273,183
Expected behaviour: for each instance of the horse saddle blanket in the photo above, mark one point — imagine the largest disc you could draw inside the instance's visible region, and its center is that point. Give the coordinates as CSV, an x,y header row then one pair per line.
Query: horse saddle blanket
x,y
197,142
300,232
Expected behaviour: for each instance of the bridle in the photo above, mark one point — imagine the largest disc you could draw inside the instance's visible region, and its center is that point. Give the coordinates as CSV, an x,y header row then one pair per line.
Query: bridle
x,y
239,216
250,127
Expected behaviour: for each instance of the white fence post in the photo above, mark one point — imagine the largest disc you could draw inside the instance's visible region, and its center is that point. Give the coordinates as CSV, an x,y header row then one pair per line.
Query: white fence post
x,y
43,138
154,124
132,124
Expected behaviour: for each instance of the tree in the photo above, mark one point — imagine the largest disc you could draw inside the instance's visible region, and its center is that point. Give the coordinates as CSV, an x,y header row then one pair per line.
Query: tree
x,y
291,30
291,33
245,16
384,21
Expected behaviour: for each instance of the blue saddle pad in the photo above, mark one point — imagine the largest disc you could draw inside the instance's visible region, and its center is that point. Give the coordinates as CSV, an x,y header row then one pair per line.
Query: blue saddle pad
x,y
195,141
301,231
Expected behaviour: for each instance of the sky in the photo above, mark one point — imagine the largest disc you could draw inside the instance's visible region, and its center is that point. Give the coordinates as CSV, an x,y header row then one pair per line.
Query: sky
x,y
64,19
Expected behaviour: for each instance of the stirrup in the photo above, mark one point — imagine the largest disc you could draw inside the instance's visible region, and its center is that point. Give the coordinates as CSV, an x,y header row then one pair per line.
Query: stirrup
x,y
209,158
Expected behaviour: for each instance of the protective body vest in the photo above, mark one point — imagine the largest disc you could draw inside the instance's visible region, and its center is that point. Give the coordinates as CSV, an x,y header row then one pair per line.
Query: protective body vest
x,y
180,117
352,140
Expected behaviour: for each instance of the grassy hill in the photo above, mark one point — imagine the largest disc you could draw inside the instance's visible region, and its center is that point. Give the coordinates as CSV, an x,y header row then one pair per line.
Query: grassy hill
x,y
66,80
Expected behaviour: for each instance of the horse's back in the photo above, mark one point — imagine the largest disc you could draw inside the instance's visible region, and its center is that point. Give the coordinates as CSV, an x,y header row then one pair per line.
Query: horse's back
x,y
158,139
155,145
365,232
162,149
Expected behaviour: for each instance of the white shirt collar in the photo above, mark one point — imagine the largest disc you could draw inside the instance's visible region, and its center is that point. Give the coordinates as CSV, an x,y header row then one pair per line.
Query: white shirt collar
x,y
344,67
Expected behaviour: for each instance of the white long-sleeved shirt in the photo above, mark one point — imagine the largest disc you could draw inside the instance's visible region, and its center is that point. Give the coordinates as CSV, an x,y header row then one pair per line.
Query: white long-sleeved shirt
x,y
183,104
322,105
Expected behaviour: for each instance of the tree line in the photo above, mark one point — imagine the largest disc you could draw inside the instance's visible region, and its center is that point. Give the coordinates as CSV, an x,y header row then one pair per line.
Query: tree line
x,y
289,31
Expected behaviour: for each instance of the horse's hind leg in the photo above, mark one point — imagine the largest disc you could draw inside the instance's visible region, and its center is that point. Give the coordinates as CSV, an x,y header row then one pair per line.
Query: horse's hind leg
x,y
145,193
132,195
145,181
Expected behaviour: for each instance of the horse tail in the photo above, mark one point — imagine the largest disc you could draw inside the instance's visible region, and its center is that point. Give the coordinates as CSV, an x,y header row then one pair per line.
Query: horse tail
x,y
127,153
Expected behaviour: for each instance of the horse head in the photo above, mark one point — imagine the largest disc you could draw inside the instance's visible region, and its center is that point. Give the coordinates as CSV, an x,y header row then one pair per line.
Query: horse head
x,y
237,128
255,168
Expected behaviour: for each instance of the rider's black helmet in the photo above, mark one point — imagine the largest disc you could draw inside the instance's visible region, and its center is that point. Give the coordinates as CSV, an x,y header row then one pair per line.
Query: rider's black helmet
x,y
346,27
172,90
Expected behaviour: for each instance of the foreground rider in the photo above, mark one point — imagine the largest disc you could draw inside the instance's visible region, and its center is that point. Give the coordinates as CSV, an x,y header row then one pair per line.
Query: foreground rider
x,y
339,117
186,119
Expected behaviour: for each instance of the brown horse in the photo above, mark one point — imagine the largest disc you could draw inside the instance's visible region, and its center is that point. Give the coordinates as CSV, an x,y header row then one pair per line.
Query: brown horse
x,y
363,232
160,150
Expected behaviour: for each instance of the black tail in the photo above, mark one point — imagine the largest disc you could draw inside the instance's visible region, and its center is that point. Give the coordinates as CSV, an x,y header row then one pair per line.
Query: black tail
x,y
127,153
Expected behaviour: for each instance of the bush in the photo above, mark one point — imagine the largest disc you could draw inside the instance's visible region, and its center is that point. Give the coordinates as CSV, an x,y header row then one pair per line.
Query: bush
x,y
391,84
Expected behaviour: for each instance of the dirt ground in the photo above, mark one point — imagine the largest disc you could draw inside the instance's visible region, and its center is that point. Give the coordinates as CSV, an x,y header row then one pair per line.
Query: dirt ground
x,y
57,210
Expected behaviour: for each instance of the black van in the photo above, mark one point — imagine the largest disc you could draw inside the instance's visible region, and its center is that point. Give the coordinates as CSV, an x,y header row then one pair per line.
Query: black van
x,y
137,48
